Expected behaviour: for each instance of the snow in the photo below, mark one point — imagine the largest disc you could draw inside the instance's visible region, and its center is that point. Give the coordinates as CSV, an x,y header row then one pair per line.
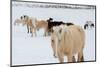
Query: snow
x,y
37,50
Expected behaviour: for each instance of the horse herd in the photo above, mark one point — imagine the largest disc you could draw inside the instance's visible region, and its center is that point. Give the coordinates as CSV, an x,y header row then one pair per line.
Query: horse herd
x,y
67,39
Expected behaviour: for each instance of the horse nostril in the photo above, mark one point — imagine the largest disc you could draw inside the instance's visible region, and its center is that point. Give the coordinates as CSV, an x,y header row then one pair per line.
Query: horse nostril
x,y
54,55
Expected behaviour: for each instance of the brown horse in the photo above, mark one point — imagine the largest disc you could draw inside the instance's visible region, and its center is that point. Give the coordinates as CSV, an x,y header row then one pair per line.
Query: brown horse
x,y
42,24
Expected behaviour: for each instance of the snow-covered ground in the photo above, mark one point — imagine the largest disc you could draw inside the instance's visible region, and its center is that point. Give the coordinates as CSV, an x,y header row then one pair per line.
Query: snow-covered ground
x,y
37,50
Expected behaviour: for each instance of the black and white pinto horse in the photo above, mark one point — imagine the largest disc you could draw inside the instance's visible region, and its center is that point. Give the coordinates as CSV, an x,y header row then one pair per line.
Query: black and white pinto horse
x,y
89,24
52,23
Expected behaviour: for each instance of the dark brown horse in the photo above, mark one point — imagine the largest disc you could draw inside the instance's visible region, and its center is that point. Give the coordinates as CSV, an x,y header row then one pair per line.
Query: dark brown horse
x,y
52,23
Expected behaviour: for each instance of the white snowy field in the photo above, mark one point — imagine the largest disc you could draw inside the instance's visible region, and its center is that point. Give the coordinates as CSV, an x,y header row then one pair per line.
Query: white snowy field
x,y
37,50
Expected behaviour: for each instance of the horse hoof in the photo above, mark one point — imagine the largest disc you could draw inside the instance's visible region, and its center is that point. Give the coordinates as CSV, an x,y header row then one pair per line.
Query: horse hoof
x,y
55,56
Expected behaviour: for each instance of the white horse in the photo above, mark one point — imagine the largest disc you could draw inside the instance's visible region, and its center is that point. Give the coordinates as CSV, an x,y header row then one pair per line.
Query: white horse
x,y
68,41
29,22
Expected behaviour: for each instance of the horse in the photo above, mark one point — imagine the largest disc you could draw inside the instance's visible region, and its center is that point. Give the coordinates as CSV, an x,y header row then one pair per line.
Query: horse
x,y
30,23
88,24
42,24
52,23
68,41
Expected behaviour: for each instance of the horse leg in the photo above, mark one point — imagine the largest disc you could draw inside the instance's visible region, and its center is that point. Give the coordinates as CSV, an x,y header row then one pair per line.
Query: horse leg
x,y
61,57
49,32
45,33
27,29
70,58
35,32
80,56
74,59
30,29
31,34
53,48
